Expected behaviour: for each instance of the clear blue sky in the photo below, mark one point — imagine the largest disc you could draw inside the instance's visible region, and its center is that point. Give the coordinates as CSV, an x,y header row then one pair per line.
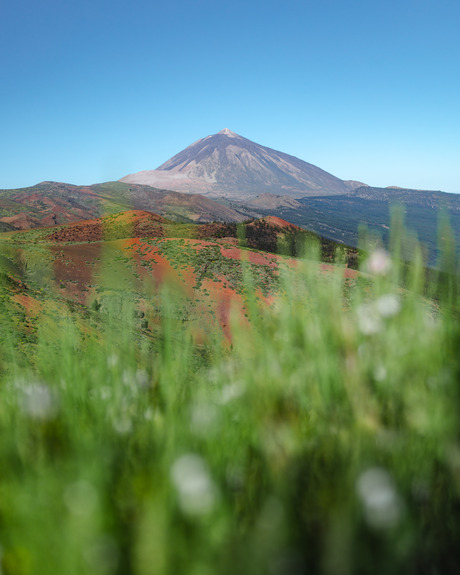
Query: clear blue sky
x,y
91,90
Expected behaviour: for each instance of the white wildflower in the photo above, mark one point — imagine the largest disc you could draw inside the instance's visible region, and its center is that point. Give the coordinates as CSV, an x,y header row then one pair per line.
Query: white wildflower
x,y
369,320
38,402
382,505
379,262
380,373
196,490
371,315
388,305
231,392
122,426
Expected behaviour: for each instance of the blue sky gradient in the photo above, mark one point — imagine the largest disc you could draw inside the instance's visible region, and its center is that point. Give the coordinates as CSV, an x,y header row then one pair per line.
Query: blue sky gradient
x,y
365,89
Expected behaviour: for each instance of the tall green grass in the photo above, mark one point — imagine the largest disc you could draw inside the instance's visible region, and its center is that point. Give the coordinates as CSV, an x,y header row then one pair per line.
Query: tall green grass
x,y
323,438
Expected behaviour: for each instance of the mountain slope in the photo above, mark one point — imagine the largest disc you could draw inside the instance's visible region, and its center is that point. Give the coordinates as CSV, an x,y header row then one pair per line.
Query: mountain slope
x,y
339,218
228,165
422,198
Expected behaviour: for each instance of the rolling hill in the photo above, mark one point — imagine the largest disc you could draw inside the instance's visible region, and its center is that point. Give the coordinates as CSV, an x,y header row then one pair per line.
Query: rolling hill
x,y
269,234
54,203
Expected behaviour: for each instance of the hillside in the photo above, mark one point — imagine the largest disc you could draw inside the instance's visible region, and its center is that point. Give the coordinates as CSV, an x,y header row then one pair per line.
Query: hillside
x,y
109,261
168,384
5,227
422,198
54,203
272,201
133,223
269,234
340,218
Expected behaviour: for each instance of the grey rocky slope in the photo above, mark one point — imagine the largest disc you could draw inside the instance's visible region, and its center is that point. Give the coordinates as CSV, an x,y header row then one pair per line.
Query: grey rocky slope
x,y
228,165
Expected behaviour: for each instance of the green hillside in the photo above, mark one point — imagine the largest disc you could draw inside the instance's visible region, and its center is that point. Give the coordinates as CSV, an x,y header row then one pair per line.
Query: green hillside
x,y
316,430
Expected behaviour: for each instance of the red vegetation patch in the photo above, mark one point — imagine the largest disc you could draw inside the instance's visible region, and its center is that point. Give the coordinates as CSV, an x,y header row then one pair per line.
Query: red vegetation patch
x,y
274,221
253,257
133,223
74,269
161,270
29,303
224,301
228,241
347,272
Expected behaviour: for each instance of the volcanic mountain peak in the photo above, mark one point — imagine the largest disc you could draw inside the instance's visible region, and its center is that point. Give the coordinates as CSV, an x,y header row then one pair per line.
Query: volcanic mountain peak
x,y
227,132
227,164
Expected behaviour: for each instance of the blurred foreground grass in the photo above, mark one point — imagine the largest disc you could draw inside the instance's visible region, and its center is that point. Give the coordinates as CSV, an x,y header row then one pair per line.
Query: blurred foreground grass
x,y
323,439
